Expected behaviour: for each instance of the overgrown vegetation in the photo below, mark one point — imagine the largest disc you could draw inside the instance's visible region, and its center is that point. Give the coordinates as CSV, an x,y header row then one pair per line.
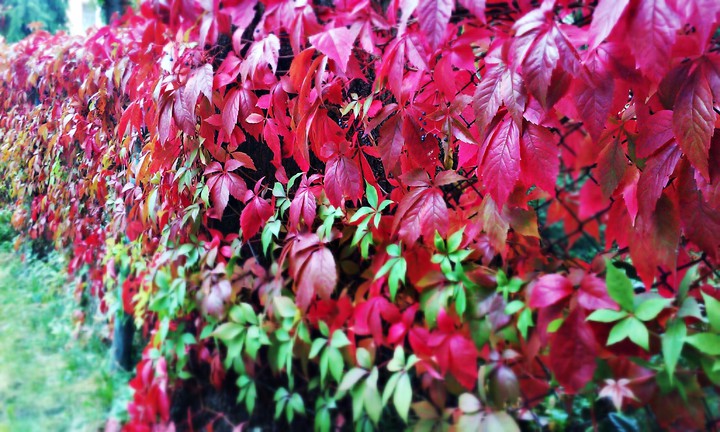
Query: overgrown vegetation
x,y
376,214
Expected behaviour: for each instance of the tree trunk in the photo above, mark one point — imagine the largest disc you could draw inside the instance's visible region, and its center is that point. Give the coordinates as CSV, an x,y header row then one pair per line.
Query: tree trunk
x,y
122,341
110,7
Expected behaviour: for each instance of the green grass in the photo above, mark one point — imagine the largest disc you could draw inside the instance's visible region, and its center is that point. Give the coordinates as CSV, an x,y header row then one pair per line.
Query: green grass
x,y
54,376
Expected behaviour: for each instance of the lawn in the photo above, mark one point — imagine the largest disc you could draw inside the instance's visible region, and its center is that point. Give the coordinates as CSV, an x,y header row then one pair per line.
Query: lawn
x,y
54,375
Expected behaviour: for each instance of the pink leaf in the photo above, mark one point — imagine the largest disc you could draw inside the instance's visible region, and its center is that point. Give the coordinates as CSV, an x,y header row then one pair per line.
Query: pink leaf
x,y
434,16
500,164
539,157
593,294
549,289
343,180
653,31
655,177
230,111
256,212
694,121
605,17
337,44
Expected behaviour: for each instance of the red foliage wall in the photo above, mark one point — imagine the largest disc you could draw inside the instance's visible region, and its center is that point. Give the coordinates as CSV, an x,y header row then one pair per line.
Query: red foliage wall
x,y
408,196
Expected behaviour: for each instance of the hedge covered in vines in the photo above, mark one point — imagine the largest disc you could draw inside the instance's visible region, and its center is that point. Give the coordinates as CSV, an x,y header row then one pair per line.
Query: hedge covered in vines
x,y
362,214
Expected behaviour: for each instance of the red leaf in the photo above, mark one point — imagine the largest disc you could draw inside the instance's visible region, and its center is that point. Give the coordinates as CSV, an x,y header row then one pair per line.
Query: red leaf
x,y
654,132
593,294
313,269
655,177
543,52
303,205
494,225
604,18
434,16
499,84
694,121
572,352
337,44
224,183
594,102
654,240
454,352
368,317
262,54
421,212
256,212
653,31
422,149
539,157
200,82
488,96
343,179
390,143
612,162
500,160
549,289
230,111
700,221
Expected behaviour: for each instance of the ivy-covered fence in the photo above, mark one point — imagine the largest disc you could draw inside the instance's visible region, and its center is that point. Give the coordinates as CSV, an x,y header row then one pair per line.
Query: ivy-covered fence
x,y
378,213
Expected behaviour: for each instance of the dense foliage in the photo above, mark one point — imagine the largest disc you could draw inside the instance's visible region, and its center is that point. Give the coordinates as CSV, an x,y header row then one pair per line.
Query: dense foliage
x,y
364,212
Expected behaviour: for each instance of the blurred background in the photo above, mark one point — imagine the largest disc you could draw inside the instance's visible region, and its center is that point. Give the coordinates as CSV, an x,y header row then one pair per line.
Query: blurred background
x,y
19,18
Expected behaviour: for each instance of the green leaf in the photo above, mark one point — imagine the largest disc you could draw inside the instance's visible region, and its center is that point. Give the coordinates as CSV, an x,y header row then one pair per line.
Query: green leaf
x,y
336,363
460,299
513,307
372,195
501,278
619,286
440,243
708,343
403,396
525,321
454,241
554,325
606,315
371,397
390,387
285,307
638,333
672,344
690,308
393,250
351,378
619,332
317,346
397,275
712,308
228,331
499,422
690,276
363,358
650,308
324,330
297,403
339,339
397,363
469,403
361,213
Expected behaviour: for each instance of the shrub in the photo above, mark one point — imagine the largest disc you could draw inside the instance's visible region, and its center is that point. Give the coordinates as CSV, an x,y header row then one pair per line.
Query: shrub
x,y
379,213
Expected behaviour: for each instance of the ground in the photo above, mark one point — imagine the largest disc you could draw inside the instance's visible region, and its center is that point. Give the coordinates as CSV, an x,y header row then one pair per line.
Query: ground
x,y
51,376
